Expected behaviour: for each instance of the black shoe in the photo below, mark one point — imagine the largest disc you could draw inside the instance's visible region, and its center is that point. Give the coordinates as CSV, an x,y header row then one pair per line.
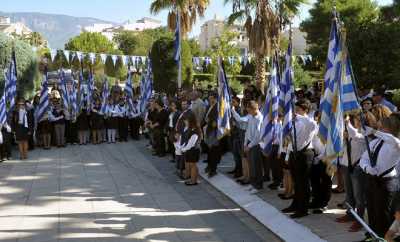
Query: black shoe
x,y
266,179
172,161
205,161
273,186
288,210
232,172
212,174
298,215
207,169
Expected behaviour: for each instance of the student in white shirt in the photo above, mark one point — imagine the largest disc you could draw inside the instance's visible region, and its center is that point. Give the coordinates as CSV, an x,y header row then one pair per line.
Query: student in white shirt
x,y
251,145
382,176
301,158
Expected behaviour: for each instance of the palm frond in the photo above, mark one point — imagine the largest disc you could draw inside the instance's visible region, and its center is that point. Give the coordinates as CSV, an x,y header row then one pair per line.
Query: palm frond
x,y
236,16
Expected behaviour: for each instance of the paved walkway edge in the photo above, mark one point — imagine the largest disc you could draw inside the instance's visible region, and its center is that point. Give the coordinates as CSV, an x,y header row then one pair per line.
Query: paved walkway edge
x,y
284,227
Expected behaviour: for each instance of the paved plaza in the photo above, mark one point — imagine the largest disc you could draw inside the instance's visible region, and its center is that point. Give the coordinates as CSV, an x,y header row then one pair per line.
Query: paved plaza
x,y
113,193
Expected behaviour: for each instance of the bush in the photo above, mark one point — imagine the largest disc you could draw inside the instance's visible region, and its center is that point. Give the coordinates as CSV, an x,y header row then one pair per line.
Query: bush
x,y
27,64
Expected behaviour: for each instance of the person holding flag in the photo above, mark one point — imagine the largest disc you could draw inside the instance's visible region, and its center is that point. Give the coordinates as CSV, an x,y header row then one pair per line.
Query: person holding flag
x,y
43,115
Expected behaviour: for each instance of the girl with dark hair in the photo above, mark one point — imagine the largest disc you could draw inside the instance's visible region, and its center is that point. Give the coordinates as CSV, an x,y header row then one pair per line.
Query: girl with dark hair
x,y
190,147
22,129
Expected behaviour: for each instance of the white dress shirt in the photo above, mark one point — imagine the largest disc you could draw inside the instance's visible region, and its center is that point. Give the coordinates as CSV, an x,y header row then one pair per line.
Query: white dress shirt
x,y
253,131
388,157
242,121
306,128
358,145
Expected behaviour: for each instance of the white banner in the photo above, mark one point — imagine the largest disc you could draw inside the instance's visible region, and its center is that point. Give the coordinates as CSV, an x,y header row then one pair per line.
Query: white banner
x,y
92,57
66,54
103,58
53,54
114,59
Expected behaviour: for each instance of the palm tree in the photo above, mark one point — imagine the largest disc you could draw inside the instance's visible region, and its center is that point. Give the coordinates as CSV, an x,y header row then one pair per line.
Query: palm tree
x,y
189,11
36,39
271,17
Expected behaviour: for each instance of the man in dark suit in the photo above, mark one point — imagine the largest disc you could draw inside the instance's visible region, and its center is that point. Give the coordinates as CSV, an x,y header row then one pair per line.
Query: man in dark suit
x,y
210,136
174,114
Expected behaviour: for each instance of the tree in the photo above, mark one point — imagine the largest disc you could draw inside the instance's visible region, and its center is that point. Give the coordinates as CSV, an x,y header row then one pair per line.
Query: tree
x,y
96,43
165,69
194,47
264,32
354,13
139,43
189,11
391,13
27,65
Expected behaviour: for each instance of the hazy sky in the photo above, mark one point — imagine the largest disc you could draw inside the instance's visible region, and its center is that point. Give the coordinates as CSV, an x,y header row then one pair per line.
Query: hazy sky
x,y
121,10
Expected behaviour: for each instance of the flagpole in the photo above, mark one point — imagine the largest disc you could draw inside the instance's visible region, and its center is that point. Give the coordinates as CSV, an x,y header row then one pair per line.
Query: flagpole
x,y
293,106
180,51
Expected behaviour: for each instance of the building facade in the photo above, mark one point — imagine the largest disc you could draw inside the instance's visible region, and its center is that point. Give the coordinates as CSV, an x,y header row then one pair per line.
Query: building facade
x,y
12,29
214,28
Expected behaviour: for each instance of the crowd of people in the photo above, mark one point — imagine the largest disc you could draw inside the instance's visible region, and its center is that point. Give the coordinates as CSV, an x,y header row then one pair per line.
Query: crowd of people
x,y
185,126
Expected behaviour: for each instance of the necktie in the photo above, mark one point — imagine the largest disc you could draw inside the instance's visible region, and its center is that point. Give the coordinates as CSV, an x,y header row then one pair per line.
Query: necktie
x,y
376,153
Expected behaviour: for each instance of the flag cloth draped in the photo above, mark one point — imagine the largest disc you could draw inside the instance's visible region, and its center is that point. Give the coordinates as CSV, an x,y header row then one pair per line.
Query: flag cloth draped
x,y
129,91
177,43
287,93
338,97
64,91
146,87
3,110
11,84
73,94
43,101
224,102
270,113
104,96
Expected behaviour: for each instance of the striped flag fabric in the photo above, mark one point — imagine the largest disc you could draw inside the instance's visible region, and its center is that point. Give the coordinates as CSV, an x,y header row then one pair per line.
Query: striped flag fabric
x,y
3,110
178,46
224,102
11,84
287,93
270,112
90,88
146,87
349,96
129,91
64,91
73,94
331,126
104,96
43,101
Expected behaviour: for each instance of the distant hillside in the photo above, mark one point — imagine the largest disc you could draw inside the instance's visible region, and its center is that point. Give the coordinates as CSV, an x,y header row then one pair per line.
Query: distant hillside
x,y
57,29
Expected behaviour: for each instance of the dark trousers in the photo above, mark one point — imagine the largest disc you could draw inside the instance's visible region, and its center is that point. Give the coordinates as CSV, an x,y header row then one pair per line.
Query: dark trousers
x,y
159,141
71,132
381,193
6,146
213,157
180,163
123,129
256,166
300,169
237,151
135,127
321,185
276,165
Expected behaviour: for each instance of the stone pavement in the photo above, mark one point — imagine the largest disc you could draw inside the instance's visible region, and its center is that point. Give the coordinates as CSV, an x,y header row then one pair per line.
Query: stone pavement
x,y
322,225
116,192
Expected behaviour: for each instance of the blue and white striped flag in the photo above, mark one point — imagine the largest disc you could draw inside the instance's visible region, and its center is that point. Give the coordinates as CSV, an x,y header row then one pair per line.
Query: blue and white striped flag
x,y
90,95
104,96
43,106
147,88
288,93
129,91
331,126
10,87
270,113
3,110
224,102
178,46
349,96
64,91
73,96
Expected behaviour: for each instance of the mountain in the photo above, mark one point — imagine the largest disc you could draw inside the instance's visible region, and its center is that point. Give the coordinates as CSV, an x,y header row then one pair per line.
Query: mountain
x,y
57,29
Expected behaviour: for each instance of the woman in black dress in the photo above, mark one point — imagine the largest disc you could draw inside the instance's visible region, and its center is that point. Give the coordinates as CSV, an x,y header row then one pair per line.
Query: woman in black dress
x,y
97,123
83,126
22,130
190,147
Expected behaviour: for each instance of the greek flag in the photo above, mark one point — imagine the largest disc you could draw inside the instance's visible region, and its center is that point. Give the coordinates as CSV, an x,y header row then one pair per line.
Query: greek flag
x,y
104,96
146,87
82,93
224,103
73,99
287,93
349,96
11,84
90,90
3,111
64,91
177,54
270,112
43,101
332,124
129,91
